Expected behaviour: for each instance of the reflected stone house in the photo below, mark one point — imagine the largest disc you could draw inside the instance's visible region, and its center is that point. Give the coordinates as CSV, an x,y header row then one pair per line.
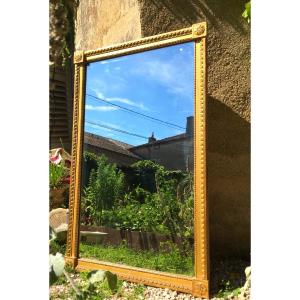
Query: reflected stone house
x,y
117,152
174,153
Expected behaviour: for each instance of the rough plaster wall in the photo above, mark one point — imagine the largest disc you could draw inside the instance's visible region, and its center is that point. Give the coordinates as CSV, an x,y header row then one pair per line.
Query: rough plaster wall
x,y
228,48
106,22
228,111
228,181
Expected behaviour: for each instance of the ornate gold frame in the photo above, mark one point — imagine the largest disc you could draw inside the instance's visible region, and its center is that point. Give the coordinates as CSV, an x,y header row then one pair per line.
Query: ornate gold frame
x,y
199,284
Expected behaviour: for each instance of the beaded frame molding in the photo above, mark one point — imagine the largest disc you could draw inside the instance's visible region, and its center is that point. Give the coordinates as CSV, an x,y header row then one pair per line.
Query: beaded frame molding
x,y
197,285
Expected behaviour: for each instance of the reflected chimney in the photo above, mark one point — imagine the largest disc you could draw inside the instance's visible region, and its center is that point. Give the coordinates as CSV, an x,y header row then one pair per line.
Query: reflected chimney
x,y
151,139
190,125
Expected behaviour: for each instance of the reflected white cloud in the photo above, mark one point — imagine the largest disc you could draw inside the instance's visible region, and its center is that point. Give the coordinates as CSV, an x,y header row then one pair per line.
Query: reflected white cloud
x,y
114,60
175,75
158,83
100,131
112,125
100,108
129,102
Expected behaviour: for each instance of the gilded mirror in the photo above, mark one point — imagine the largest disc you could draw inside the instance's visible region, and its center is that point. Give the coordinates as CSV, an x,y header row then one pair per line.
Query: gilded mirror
x,y
138,181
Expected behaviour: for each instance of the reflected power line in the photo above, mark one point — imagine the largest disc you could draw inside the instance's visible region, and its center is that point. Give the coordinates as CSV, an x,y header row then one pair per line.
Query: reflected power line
x,y
115,129
135,112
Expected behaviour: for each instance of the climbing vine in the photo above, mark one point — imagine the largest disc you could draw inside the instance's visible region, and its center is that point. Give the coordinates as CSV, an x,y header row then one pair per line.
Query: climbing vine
x,y
61,36
247,12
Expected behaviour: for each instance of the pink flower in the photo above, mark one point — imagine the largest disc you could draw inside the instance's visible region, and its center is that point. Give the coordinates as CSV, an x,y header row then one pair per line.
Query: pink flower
x,y
56,157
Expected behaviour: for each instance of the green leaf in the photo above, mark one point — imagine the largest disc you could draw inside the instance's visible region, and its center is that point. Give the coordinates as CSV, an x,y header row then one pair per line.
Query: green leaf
x,y
100,276
247,12
52,235
248,6
112,280
96,276
57,263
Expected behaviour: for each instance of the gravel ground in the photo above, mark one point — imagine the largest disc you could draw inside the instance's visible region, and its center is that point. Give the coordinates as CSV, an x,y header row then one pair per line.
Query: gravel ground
x,y
223,272
232,271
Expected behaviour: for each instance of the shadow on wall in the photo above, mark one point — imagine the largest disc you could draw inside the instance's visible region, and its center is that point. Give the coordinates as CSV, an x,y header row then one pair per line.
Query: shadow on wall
x,y
228,181
228,43
227,131
192,11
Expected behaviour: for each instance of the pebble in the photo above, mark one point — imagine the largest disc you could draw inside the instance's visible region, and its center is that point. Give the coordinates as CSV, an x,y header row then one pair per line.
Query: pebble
x,y
152,293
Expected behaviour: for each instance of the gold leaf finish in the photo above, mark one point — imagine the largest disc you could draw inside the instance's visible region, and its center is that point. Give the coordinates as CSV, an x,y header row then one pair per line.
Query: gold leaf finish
x,y
78,57
199,30
200,209
73,162
199,284
200,288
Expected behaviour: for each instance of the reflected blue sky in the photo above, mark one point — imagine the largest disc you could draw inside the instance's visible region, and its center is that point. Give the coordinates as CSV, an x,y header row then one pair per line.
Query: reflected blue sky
x,y
157,83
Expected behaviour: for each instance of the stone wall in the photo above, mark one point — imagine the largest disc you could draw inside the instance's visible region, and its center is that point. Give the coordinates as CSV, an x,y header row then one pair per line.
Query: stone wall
x,y
112,157
176,154
102,23
137,240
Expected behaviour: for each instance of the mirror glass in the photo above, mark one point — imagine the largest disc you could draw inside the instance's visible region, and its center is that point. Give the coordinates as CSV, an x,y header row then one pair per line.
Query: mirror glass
x,y
137,170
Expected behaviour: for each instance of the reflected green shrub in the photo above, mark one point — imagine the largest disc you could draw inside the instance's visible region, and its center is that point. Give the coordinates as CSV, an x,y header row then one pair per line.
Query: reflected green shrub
x,y
105,188
168,210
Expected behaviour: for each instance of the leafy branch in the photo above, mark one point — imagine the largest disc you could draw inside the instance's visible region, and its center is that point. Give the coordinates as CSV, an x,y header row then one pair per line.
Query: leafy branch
x,y
247,12
95,278
62,19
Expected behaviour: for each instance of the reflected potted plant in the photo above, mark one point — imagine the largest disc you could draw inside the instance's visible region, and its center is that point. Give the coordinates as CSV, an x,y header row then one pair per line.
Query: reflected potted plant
x,y
59,177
